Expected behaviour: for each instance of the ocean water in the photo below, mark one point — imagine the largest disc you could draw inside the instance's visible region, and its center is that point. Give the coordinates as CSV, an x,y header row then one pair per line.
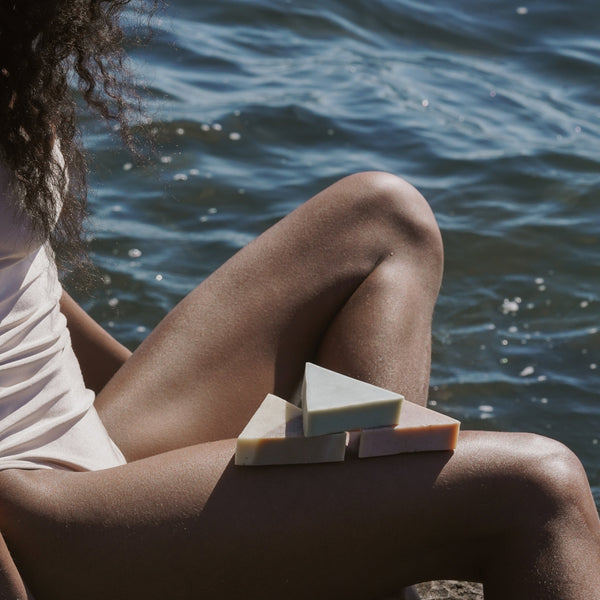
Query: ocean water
x,y
491,108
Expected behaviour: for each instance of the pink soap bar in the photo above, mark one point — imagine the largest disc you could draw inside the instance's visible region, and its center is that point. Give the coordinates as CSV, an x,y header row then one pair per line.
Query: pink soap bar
x,y
419,429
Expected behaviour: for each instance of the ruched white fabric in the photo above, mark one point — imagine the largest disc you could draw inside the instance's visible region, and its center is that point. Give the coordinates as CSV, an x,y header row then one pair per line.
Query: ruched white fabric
x,y
47,417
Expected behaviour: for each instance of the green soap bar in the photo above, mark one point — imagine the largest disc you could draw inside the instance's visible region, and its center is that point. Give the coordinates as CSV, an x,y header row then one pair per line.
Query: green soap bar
x,y
333,402
275,436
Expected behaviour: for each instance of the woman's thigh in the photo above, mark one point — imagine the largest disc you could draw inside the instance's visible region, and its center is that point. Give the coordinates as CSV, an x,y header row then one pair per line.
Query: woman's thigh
x,y
189,524
349,279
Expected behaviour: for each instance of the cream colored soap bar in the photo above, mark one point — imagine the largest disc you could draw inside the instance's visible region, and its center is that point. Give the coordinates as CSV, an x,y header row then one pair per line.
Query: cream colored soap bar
x,y
420,429
275,436
333,402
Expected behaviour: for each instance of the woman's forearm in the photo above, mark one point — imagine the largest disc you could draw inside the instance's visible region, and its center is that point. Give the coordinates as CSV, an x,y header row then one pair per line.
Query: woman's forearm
x,y
12,586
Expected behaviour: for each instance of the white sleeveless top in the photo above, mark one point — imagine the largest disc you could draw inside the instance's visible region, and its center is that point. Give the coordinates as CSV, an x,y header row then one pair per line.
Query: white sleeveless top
x,y
47,417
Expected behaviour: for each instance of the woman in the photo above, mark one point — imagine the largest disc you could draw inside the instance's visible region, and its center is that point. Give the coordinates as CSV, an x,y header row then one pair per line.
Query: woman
x,y
144,502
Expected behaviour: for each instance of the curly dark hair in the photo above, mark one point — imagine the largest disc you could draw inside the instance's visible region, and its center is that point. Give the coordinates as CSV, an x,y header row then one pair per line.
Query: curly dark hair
x,y
46,47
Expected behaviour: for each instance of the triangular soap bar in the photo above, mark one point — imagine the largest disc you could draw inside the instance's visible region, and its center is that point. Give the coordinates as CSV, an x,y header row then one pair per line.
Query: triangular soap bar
x,y
420,429
275,436
333,402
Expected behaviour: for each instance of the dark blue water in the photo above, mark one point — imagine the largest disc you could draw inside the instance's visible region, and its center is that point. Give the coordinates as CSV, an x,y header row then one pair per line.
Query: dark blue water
x,y
490,108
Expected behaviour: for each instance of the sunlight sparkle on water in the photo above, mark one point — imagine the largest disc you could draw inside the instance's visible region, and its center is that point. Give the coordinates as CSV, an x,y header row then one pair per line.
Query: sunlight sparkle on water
x,y
510,306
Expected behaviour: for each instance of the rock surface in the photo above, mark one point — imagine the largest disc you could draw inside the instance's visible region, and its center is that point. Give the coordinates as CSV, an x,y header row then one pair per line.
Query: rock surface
x,y
450,590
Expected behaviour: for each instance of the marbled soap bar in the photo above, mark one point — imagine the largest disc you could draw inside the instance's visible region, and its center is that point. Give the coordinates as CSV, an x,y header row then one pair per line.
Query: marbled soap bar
x,y
420,429
275,436
333,402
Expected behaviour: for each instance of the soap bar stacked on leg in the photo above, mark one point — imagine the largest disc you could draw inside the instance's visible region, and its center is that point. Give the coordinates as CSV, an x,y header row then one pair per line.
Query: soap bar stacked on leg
x,y
275,436
281,433
419,429
333,402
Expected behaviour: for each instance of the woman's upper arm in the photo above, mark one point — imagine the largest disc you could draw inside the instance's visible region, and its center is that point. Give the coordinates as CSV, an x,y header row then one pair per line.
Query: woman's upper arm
x,y
100,355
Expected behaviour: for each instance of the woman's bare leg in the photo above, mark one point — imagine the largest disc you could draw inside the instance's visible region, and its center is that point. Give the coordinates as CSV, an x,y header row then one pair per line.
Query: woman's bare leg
x,y
511,510
349,279
514,511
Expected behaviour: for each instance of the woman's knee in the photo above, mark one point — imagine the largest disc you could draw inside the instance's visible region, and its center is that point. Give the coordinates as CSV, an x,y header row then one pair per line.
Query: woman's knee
x,y
557,475
392,213
542,480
